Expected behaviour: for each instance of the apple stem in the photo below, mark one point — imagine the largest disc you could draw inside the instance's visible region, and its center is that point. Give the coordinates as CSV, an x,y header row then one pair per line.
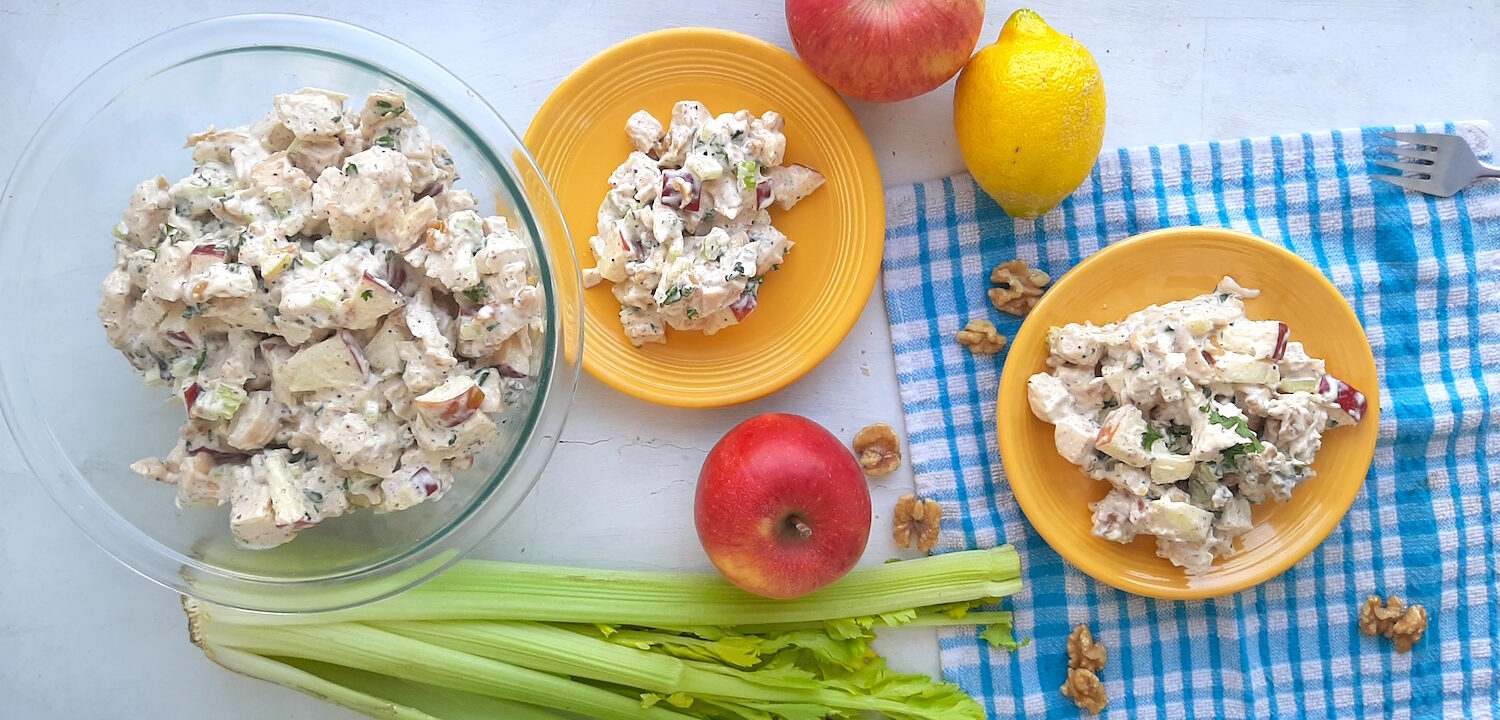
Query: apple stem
x,y
802,528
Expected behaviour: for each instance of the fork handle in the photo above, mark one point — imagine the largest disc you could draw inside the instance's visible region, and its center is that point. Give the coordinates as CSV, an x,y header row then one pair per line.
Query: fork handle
x,y
1487,170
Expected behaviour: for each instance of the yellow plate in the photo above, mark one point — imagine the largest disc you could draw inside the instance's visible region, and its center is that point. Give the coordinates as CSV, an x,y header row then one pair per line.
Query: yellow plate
x,y
806,307
1157,267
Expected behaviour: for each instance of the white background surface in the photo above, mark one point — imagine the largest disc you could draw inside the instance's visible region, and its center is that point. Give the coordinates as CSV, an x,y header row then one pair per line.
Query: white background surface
x,y
82,637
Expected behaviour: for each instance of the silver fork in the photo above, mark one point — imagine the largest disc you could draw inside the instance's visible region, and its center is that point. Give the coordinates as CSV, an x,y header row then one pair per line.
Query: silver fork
x,y
1436,164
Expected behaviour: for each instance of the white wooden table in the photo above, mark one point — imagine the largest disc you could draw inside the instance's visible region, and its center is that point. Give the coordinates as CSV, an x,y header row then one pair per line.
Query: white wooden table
x,y
83,637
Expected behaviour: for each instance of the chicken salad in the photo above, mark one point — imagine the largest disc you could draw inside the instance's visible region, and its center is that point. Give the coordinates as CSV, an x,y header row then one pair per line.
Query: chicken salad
x,y
684,234
339,320
1192,412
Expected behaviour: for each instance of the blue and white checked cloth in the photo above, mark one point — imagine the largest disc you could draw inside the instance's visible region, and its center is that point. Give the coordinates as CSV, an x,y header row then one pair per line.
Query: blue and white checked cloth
x,y
1422,274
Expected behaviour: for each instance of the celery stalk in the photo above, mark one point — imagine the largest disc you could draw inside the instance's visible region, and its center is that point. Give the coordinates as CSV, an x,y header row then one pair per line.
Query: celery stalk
x,y
477,589
438,702
373,650
549,649
356,690
929,616
490,639
555,650
248,663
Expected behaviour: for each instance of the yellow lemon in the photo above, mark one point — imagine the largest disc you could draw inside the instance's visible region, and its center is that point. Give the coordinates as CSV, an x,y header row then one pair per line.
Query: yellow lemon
x,y
1029,114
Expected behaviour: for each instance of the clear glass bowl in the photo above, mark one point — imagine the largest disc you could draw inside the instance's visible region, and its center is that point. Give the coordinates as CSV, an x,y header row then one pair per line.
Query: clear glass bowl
x,y
81,415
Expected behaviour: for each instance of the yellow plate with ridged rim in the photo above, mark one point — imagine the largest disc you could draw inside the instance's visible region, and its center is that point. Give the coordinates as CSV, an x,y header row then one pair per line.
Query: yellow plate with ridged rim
x,y
1153,268
808,306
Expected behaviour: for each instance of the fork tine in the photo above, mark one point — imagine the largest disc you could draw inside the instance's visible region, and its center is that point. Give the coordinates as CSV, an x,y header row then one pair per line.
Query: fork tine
x,y
1413,168
1410,151
1428,139
1410,183
1438,141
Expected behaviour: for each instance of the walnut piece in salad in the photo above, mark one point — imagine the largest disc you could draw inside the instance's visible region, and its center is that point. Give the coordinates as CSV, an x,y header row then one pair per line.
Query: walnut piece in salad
x,y
684,233
338,320
1192,412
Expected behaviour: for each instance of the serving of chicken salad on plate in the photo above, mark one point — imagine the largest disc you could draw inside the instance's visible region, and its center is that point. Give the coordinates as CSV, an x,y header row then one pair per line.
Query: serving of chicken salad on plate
x,y
684,233
1193,412
339,321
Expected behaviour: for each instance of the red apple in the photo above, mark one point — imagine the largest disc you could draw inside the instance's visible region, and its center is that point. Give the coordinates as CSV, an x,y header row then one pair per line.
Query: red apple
x,y
782,507
885,50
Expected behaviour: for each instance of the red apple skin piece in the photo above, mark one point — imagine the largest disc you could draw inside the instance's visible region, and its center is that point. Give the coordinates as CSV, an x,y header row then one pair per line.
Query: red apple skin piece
x,y
763,198
429,483
672,194
375,283
395,272
782,507
743,306
203,256
885,50
1348,399
451,407
357,350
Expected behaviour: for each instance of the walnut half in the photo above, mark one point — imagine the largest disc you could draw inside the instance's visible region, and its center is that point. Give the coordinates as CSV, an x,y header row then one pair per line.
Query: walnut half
x,y
878,449
981,337
1408,630
1084,687
1376,617
1017,286
1403,625
917,521
1085,659
1083,652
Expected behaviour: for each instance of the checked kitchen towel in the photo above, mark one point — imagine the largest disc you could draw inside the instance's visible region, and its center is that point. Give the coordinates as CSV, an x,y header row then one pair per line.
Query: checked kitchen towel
x,y
1424,276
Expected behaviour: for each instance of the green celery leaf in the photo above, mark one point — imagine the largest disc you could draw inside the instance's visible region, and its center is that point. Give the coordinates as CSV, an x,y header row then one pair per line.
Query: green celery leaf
x,y
848,628
898,618
738,650
999,635
927,697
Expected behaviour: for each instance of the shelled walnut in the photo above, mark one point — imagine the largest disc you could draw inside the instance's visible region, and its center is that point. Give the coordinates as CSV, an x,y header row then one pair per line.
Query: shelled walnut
x,y
1402,624
1083,652
1085,660
981,337
878,449
1084,687
1406,631
1017,286
917,521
